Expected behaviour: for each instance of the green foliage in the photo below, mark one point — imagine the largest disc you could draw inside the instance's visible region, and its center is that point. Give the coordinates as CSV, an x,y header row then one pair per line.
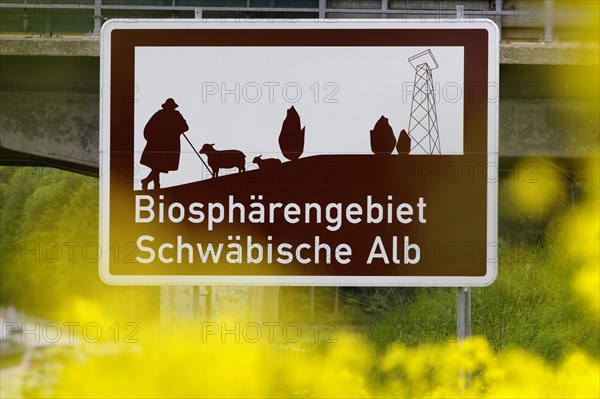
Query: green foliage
x,y
547,315
49,248
531,305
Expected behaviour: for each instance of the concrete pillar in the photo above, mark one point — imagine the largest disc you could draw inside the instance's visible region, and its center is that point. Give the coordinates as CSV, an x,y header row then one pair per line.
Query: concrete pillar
x,y
265,304
182,307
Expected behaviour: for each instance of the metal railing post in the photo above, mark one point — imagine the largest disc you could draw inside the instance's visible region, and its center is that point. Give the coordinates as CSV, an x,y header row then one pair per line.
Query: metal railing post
x,y
548,20
97,16
499,8
460,12
384,8
322,7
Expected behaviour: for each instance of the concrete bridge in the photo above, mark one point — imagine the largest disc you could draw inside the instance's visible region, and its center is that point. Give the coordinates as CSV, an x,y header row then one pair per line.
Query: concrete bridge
x,y
49,86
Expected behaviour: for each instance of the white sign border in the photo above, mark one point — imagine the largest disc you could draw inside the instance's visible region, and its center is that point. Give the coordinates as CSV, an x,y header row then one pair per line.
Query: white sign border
x,y
366,281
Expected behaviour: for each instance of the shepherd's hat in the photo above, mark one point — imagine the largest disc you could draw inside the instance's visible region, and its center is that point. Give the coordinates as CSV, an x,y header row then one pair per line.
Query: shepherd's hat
x,y
170,104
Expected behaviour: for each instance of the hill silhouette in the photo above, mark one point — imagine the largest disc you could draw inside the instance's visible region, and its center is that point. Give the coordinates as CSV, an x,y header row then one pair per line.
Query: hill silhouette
x,y
343,179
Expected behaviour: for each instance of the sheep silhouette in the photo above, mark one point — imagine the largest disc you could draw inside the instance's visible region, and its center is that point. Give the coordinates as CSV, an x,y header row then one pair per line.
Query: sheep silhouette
x,y
224,159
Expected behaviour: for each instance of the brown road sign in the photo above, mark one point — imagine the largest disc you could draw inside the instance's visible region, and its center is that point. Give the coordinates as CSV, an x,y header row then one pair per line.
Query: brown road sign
x,y
313,153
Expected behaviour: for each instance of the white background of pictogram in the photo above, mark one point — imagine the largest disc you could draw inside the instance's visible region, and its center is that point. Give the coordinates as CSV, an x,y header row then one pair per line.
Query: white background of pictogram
x,y
355,86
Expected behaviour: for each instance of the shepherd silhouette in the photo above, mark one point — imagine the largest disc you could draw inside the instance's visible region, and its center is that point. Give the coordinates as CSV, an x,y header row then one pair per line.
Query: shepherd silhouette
x,y
163,148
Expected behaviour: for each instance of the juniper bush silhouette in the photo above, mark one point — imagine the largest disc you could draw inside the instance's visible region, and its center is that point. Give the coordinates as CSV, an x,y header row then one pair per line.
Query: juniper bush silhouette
x,y
383,140
291,138
403,144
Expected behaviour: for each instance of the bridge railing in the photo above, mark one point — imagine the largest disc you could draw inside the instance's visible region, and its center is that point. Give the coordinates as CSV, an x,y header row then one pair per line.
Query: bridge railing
x,y
532,20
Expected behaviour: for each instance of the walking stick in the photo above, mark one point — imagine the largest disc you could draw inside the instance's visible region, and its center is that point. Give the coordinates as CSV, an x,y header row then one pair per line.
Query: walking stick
x,y
197,153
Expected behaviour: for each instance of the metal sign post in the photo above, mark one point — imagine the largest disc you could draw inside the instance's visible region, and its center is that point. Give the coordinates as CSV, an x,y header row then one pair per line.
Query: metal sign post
x,y
463,324
463,313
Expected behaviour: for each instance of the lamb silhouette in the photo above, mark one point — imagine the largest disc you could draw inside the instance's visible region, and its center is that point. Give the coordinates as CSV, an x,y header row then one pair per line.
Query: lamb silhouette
x,y
224,159
266,163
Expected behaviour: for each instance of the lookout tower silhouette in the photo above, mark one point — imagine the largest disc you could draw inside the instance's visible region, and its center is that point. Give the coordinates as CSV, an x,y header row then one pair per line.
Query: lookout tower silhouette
x,y
423,124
